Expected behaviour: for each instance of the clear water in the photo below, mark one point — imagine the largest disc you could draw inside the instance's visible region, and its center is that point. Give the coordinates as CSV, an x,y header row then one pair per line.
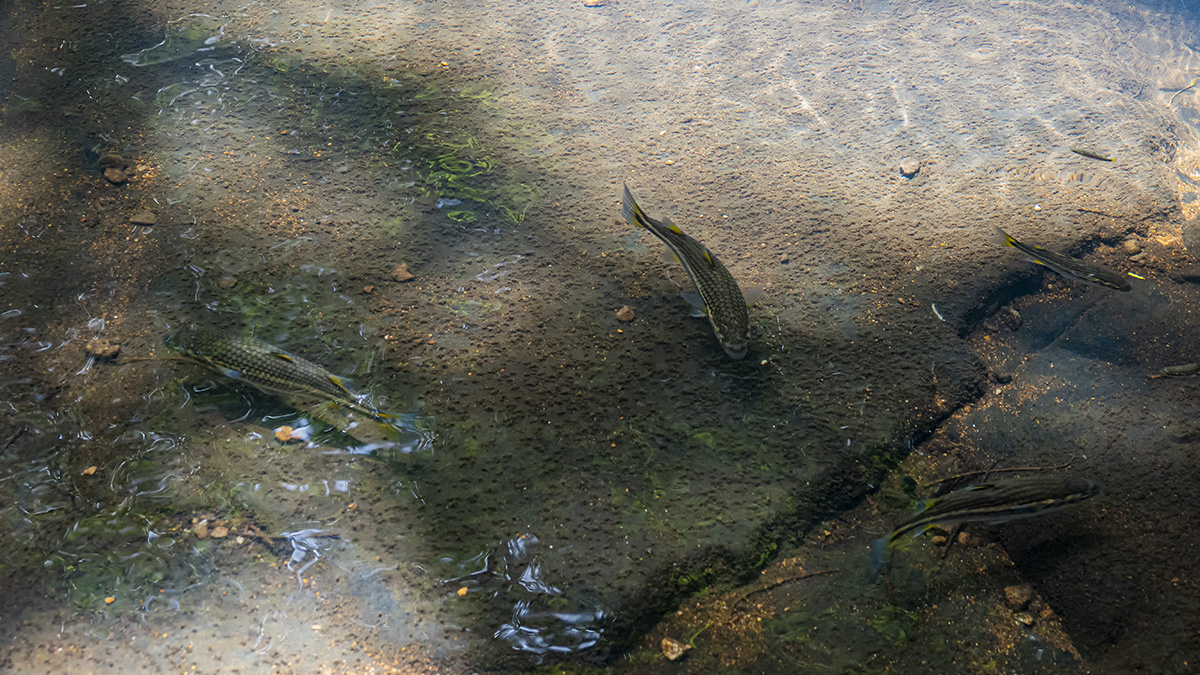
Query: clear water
x,y
573,487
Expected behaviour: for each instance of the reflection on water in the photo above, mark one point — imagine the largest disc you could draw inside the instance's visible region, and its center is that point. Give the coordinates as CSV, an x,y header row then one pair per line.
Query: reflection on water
x,y
544,619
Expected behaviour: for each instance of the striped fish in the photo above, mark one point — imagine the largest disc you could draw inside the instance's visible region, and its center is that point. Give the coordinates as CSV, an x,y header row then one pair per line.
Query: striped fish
x,y
996,502
1068,266
723,301
1091,154
271,369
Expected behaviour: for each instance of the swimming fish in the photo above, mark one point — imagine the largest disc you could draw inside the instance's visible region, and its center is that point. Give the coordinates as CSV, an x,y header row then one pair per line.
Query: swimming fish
x,y
996,502
271,369
1193,83
1178,371
722,298
1092,154
1068,266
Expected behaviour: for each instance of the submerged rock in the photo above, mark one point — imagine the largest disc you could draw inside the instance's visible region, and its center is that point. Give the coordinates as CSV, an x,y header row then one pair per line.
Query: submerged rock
x,y
674,649
400,273
114,167
102,349
909,167
146,217
1018,597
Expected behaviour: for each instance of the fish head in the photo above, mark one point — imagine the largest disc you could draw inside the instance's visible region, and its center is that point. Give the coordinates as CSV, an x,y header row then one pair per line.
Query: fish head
x,y
735,347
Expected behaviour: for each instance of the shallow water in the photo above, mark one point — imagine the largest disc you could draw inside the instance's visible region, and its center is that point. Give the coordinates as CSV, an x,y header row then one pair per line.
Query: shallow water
x,y
567,481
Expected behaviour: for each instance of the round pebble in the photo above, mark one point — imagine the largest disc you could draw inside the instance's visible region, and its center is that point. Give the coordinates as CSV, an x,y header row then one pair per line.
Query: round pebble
x,y
228,281
909,167
625,314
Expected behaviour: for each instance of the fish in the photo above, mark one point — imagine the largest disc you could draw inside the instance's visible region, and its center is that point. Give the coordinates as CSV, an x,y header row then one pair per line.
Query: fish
x,y
722,298
1091,154
273,370
1068,266
1178,371
1193,83
996,502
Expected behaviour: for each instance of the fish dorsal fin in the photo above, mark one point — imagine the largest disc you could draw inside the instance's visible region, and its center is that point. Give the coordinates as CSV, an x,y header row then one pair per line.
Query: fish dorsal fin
x,y
670,225
708,257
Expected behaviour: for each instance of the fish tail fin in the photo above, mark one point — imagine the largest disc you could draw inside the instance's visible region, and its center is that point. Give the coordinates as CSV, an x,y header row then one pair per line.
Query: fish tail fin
x,y
342,383
632,212
880,552
1005,239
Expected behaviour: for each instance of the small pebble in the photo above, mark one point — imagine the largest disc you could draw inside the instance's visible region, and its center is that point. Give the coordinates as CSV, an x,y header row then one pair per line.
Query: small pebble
x,y
967,539
102,349
201,529
227,281
783,259
625,314
285,433
111,160
1012,319
1000,377
1018,597
1025,618
115,176
400,273
368,289
909,167
89,471
674,649
219,532
1131,246
937,540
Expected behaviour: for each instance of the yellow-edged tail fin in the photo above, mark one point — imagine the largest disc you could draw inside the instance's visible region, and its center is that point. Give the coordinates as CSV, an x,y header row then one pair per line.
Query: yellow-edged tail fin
x,y
1005,239
633,213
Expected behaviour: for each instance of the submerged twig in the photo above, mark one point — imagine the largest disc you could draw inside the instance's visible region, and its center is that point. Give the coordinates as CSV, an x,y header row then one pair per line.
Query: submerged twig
x,y
985,472
777,583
